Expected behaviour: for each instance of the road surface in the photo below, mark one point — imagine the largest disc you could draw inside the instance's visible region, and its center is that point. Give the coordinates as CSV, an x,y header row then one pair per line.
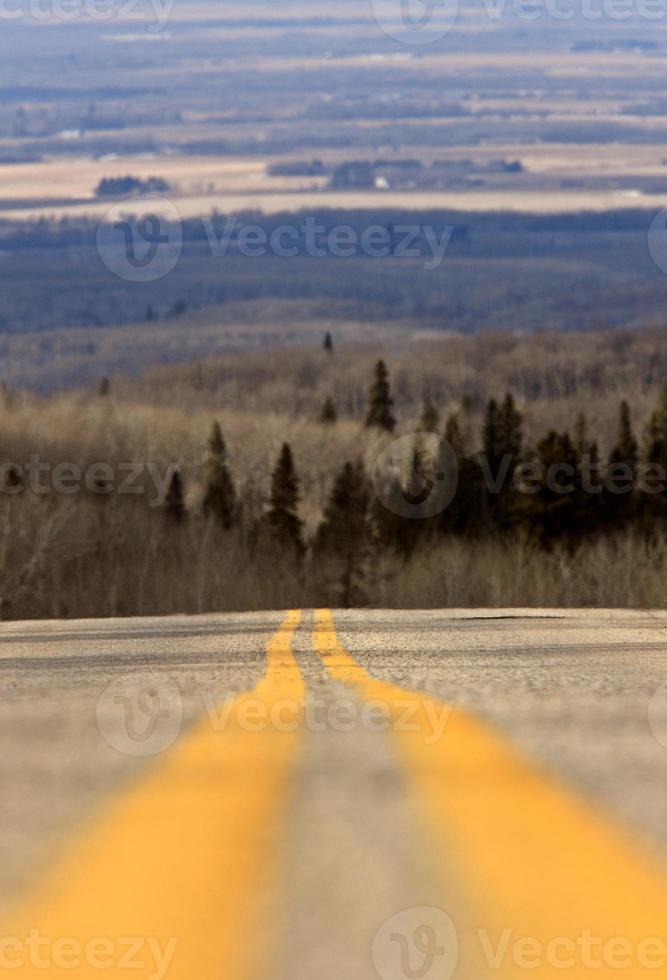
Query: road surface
x,y
335,796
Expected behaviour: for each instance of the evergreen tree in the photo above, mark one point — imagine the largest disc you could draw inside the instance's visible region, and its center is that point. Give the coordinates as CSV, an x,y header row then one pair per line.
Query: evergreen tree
x,y
626,450
502,435
344,536
328,415
655,436
511,435
502,446
581,436
430,417
328,343
653,505
418,487
282,518
380,401
592,505
467,512
555,514
219,495
620,498
174,504
491,436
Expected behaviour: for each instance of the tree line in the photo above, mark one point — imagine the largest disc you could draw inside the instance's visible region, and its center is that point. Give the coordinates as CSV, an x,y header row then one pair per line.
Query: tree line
x,y
226,542
558,492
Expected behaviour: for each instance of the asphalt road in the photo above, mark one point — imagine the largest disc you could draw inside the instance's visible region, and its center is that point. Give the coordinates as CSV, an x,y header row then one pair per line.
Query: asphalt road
x,y
377,793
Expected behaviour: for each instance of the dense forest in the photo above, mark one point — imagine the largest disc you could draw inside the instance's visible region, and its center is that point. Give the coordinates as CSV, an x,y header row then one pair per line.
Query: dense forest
x,y
165,495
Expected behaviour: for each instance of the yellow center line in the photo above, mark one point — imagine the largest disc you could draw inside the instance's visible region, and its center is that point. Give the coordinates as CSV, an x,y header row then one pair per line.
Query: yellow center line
x,y
181,863
554,887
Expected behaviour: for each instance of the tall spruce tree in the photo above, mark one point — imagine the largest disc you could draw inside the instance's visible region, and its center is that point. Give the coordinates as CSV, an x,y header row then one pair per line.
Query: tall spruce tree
x,y
492,446
380,401
620,497
593,508
653,505
282,518
556,512
626,450
581,436
174,505
219,495
511,435
655,435
502,446
502,435
344,537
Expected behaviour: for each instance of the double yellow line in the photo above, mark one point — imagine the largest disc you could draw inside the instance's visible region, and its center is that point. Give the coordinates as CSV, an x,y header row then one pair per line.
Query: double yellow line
x,y
185,859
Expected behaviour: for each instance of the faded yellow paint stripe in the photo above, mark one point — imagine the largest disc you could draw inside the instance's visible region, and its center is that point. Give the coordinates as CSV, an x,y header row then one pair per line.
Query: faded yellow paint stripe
x,y
182,862
546,875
